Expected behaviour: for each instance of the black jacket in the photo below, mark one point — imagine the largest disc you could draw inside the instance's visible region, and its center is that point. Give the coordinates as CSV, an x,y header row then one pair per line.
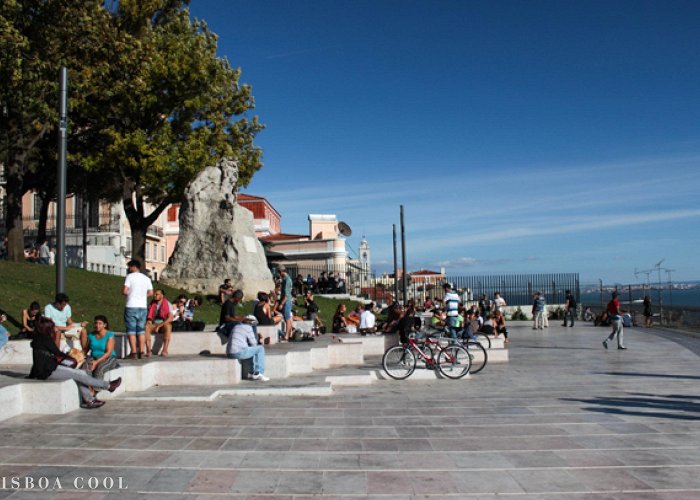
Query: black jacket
x,y
44,352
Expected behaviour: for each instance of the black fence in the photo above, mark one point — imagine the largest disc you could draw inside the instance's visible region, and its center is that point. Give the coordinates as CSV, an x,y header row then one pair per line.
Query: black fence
x,y
681,314
517,289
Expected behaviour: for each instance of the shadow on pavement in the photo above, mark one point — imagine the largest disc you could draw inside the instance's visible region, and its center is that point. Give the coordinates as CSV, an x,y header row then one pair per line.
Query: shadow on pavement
x,y
671,406
655,375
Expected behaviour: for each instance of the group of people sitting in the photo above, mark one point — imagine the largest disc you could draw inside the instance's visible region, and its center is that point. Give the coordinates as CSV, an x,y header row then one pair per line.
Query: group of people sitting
x,y
362,320
327,283
65,350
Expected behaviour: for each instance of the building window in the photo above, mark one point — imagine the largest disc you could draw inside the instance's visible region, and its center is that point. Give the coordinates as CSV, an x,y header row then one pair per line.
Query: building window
x,y
162,253
155,252
148,247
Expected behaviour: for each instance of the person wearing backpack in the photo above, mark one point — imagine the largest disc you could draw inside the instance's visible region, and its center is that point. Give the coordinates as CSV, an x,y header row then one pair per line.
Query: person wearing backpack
x,y
569,308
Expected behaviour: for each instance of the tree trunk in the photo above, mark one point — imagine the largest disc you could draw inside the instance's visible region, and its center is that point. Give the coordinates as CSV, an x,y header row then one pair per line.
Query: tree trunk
x,y
139,222
13,216
43,218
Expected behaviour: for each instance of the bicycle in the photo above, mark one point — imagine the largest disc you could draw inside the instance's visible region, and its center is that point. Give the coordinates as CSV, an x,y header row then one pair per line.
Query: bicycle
x,y
477,352
399,362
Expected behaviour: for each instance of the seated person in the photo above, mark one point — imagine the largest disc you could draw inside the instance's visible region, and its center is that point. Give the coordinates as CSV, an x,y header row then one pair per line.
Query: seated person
x,y
438,319
407,324
99,347
159,319
231,314
4,335
225,291
353,319
472,325
428,304
60,314
47,365
340,324
263,312
183,314
29,318
499,325
394,315
312,311
242,344
368,320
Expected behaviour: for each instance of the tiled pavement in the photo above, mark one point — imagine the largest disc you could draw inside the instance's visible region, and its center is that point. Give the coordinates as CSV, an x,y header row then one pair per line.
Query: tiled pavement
x,y
564,419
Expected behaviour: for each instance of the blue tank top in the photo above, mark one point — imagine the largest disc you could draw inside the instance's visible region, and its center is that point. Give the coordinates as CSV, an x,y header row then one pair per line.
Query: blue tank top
x,y
98,347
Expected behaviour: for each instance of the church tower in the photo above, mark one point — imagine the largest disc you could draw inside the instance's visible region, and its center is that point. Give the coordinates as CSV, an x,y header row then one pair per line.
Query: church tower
x,y
365,260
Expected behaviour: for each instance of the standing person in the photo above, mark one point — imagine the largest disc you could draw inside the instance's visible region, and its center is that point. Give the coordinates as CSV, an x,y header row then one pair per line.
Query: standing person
x,y
484,306
44,253
569,308
52,256
285,305
137,289
451,301
648,318
159,319
498,304
615,317
537,310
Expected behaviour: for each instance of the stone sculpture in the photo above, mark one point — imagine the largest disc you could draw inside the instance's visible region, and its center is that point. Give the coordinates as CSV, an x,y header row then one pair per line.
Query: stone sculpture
x,y
217,239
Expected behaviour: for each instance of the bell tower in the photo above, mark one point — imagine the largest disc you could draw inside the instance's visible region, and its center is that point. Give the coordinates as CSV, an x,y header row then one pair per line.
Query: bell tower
x,y
365,259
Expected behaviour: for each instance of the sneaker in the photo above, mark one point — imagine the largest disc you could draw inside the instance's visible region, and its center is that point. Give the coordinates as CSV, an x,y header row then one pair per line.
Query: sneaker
x,y
605,344
114,384
260,377
621,347
92,404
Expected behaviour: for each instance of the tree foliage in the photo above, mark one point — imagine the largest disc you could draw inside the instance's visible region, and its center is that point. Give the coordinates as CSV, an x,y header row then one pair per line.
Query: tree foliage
x,y
151,104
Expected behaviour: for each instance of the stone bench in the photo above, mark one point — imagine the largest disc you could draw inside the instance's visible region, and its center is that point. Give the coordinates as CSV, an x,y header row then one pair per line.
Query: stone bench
x,y
53,397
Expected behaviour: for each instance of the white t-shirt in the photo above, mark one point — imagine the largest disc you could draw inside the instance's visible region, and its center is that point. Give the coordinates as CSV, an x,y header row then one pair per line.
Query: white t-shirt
x,y
139,284
367,320
59,318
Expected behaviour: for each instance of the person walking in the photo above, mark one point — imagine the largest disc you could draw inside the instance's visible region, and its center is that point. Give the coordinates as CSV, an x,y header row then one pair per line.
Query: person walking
x,y
615,317
537,310
648,318
137,289
569,308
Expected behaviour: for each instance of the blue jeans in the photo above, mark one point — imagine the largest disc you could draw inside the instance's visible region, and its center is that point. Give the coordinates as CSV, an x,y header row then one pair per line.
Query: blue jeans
x,y
257,352
570,313
135,320
452,326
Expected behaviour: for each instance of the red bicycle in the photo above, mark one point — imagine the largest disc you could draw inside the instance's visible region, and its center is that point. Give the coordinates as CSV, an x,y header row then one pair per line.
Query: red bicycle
x,y
453,360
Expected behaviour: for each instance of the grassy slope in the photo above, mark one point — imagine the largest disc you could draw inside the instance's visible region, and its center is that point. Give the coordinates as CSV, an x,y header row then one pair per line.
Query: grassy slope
x,y
94,293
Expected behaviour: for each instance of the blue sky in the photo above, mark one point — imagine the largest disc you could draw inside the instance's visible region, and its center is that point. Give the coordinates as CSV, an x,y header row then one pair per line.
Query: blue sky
x,y
520,136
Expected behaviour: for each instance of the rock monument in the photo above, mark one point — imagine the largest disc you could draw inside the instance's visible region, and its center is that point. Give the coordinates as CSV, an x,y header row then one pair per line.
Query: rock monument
x,y
217,239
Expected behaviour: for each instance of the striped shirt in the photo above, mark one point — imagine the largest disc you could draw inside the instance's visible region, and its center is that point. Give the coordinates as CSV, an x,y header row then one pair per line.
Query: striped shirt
x,y
452,303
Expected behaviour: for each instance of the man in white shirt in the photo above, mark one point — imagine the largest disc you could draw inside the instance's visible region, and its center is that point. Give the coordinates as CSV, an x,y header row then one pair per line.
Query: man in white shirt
x,y
368,320
137,288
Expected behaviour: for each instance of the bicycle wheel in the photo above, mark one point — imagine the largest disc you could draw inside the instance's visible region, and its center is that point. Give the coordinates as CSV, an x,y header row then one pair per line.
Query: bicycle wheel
x,y
399,362
478,355
483,339
453,361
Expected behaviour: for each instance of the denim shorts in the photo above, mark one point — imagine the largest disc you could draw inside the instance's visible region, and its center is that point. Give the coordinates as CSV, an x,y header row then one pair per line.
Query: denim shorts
x,y
135,320
287,310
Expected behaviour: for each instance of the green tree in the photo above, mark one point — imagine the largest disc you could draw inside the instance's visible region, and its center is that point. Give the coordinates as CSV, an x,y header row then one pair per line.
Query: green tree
x,y
168,107
37,37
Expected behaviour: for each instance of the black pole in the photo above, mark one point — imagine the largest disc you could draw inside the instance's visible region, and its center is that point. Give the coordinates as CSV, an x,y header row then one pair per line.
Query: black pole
x,y
396,268
404,275
85,224
61,194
